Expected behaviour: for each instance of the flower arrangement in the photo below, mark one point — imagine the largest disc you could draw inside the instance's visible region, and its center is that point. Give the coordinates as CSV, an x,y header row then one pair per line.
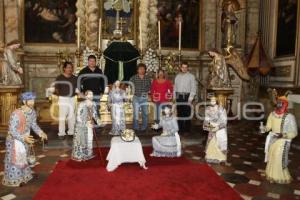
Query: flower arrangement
x,y
151,60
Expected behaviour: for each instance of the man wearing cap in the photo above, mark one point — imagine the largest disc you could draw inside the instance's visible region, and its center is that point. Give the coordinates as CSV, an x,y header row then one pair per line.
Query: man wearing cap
x,y
17,170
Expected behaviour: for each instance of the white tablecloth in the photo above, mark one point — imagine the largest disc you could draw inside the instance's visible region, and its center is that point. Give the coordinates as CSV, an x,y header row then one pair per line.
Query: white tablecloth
x,y
124,152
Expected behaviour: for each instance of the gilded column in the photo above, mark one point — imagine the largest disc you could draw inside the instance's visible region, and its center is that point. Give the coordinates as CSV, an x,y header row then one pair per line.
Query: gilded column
x,y
2,31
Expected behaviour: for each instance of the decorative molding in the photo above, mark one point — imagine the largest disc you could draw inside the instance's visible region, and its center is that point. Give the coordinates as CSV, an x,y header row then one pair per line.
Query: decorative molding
x,y
92,24
283,71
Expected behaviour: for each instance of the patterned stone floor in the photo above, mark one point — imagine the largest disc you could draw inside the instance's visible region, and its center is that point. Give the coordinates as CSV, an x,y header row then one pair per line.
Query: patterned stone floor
x,y
244,170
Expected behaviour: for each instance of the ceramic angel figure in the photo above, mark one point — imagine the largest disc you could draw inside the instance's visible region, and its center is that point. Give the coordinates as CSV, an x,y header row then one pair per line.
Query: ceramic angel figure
x,y
218,72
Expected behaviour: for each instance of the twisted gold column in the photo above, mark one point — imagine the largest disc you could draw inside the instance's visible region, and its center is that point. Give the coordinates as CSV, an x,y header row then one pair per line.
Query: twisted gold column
x,y
8,103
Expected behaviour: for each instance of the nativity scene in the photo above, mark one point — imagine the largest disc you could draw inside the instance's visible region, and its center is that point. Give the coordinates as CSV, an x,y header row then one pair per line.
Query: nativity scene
x,y
149,99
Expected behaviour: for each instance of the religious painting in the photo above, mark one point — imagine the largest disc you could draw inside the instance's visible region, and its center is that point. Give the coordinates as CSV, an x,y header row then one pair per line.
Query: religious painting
x,y
170,13
118,15
286,28
50,21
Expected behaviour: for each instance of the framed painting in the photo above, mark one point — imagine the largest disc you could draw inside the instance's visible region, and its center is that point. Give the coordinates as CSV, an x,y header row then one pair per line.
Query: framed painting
x,y
286,28
127,17
170,12
50,22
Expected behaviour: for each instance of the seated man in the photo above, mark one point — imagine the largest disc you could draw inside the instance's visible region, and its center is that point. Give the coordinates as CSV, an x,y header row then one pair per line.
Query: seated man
x,y
283,129
85,122
168,143
17,170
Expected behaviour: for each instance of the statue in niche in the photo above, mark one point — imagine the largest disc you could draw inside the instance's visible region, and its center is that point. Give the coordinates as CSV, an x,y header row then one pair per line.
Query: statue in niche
x,y
11,70
229,22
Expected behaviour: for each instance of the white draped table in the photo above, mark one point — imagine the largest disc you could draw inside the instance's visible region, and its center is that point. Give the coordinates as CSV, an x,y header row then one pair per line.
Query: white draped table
x,y
125,152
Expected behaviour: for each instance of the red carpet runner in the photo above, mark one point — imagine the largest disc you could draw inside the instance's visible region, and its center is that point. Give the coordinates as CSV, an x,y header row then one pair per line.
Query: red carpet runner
x,y
166,179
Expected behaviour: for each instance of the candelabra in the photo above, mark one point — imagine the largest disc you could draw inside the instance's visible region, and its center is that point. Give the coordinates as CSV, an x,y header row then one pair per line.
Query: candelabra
x,y
179,58
141,53
160,58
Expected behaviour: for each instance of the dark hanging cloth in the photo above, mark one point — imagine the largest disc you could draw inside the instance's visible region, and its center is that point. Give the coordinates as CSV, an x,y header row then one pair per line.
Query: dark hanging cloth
x,y
120,56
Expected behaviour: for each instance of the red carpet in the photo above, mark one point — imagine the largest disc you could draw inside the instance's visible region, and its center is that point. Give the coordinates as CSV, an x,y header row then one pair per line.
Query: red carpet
x,y
166,178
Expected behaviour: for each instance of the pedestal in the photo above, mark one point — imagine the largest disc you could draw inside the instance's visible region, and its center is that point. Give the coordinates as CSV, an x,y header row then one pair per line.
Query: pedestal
x,y
8,103
222,95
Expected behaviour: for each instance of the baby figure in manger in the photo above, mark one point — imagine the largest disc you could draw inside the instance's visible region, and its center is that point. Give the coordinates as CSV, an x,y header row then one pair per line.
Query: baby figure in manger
x,y
168,143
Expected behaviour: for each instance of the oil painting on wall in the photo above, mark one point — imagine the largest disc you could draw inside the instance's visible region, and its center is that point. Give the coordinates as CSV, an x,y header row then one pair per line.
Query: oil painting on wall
x,y
170,13
286,28
50,21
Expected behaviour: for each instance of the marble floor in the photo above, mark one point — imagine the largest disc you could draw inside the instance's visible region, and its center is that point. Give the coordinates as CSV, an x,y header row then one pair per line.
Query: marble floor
x,y
244,171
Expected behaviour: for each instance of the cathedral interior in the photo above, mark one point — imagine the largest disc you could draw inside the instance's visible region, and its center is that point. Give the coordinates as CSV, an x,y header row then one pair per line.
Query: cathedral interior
x,y
245,52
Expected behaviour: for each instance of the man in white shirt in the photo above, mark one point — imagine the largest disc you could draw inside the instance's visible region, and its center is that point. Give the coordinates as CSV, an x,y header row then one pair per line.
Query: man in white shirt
x,y
66,89
185,91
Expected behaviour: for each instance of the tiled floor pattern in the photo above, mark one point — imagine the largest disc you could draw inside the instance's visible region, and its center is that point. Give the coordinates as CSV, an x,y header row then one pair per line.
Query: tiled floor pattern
x,y
244,170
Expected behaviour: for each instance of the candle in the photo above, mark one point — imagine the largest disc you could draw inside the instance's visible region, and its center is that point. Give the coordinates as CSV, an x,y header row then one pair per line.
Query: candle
x,y
141,40
100,34
179,40
159,39
78,33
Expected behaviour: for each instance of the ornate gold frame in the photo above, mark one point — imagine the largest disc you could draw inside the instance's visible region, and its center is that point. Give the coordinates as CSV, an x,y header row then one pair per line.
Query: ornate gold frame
x,y
132,36
21,30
